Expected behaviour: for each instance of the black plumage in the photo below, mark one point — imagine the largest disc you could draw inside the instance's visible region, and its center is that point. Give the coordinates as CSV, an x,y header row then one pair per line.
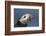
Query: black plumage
x,y
19,24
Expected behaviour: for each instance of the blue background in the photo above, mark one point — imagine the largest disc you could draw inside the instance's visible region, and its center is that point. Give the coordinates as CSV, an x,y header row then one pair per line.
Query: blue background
x,y
19,12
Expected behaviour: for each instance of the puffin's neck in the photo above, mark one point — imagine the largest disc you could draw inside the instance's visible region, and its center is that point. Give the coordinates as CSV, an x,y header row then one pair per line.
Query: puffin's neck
x,y
21,21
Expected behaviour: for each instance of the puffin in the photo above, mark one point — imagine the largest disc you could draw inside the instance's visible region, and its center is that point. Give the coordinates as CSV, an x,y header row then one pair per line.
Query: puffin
x,y
23,20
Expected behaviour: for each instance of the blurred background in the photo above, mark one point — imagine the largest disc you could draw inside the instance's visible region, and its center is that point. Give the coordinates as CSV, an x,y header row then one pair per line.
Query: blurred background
x,y
35,12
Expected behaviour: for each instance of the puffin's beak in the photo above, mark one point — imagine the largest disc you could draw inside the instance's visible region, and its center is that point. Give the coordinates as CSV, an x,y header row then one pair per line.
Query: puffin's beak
x,y
30,17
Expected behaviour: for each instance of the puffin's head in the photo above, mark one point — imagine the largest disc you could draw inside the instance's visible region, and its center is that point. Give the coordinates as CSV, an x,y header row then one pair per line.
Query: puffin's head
x,y
26,18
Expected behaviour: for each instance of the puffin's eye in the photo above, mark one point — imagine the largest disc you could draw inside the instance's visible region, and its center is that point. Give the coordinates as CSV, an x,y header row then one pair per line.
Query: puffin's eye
x,y
24,16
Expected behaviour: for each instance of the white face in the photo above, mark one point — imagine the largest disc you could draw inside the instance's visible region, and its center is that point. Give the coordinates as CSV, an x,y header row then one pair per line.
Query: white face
x,y
26,18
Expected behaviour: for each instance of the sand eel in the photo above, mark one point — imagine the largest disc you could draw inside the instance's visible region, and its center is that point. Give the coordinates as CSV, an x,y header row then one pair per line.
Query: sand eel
x,y
22,22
